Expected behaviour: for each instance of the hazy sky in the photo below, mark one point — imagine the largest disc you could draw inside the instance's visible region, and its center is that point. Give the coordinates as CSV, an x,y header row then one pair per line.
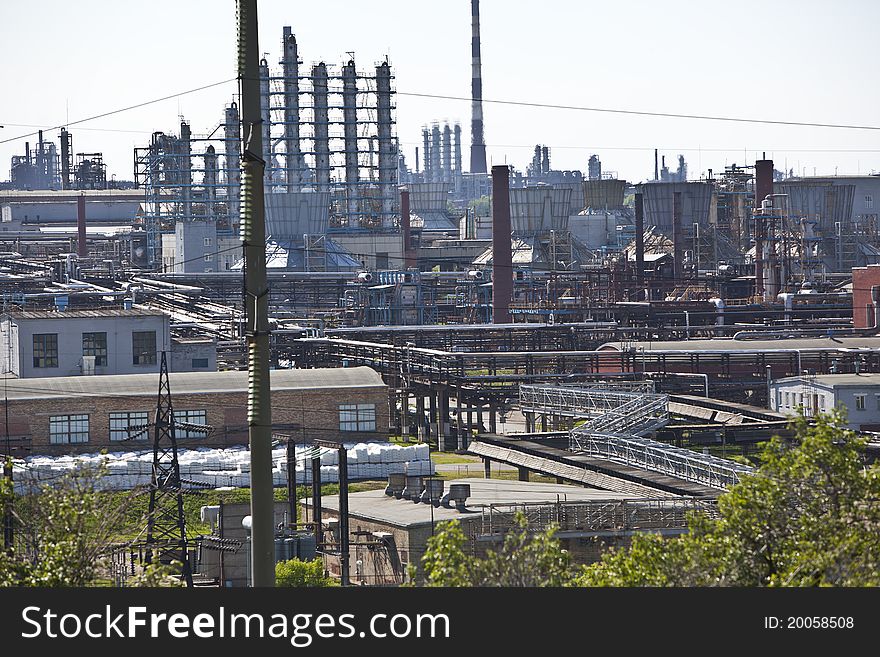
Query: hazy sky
x,y
785,60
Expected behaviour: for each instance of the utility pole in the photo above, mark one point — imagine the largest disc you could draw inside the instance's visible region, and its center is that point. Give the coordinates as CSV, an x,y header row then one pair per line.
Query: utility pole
x,y
8,530
256,302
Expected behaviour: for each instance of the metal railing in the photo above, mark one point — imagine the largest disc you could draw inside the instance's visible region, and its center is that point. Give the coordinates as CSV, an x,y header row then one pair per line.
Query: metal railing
x,y
596,516
653,455
617,420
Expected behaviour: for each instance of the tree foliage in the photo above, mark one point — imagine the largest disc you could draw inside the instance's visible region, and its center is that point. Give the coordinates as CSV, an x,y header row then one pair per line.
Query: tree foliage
x,y
809,516
62,530
302,573
522,559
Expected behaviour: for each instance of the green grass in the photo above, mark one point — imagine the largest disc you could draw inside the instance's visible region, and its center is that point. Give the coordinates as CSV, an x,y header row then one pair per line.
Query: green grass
x,y
505,475
442,458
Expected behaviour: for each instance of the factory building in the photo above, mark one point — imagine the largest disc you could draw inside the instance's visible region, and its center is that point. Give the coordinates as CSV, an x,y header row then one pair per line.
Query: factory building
x,y
394,530
66,414
856,394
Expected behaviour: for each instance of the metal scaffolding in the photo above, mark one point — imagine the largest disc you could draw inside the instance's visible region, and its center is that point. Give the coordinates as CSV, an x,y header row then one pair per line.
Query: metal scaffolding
x,y
305,149
182,183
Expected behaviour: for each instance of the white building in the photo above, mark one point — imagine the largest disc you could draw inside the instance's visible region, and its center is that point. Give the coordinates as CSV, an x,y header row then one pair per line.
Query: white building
x,y
857,394
85,342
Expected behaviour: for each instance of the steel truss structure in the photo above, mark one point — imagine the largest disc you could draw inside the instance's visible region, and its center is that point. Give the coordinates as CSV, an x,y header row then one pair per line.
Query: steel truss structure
x,y
616,423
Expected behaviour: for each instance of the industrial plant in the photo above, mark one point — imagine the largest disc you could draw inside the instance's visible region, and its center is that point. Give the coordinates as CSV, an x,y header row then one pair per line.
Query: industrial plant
x,y
616,344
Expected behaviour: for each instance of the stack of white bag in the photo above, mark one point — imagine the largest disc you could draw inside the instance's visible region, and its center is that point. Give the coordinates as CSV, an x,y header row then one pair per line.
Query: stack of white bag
x,y
231,467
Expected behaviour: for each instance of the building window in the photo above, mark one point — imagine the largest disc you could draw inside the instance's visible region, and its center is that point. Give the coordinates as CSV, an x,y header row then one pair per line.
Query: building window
x,y
143,347
357,417
65,429
95,344
129,425
869,202
788,399
209,257
199,363
183,418
860,402
822,402
778,398
208,241
45,350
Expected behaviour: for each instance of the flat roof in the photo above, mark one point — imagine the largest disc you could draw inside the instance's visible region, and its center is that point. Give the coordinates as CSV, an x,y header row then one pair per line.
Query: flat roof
x,y
132,385
31,195
835,380
375,506
805,344
83,314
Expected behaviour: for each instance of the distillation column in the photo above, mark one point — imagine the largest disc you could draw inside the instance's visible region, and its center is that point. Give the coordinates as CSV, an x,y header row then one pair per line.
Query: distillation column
x,y
447,153
436,168
266,117
290,72
321,127
184,166
387,150
232,147
210,182
349,122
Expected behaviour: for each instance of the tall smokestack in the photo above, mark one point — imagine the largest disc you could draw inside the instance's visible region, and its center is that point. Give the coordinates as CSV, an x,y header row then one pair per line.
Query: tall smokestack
x,y
656,167
478,142
81,226
763,189
502,258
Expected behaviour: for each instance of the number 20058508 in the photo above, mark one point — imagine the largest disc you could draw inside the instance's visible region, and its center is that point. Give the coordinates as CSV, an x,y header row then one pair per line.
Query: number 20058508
x,y
808,622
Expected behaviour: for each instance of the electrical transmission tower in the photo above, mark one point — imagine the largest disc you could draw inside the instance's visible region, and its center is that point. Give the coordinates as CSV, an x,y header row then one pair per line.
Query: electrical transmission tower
x,y
166,525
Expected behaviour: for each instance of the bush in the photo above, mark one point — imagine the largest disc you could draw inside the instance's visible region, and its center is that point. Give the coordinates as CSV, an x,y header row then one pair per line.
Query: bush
x,y
302,573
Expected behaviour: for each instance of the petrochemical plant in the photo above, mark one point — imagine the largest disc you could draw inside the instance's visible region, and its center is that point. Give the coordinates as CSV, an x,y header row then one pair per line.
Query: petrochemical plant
x,y
559,322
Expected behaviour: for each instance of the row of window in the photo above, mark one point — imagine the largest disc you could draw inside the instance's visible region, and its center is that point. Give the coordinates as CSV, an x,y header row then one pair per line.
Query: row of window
x,y
143,347
125,425
132,425
817,401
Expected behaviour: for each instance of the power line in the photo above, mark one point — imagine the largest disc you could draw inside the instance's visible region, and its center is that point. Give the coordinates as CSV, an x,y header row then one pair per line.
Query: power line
x,y
123,109
607,110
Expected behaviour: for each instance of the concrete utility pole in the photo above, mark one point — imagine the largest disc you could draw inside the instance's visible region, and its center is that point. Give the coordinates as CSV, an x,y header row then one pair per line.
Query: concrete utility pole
x,y
256,302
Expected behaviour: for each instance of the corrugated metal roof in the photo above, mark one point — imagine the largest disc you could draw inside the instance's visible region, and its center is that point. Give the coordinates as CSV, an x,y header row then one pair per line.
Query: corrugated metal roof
x,y
124,385
83,314
811,344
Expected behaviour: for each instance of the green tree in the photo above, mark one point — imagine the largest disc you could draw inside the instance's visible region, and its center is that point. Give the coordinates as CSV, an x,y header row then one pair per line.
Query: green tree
x,y
809,516
302,573
62,530
522,559
480,206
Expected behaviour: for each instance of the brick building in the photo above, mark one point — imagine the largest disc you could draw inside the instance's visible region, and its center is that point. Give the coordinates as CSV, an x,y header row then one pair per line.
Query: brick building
x,y
61,415
866,292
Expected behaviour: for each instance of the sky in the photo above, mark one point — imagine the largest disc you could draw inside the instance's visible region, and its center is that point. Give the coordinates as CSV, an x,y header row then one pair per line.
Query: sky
x,y
787,60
